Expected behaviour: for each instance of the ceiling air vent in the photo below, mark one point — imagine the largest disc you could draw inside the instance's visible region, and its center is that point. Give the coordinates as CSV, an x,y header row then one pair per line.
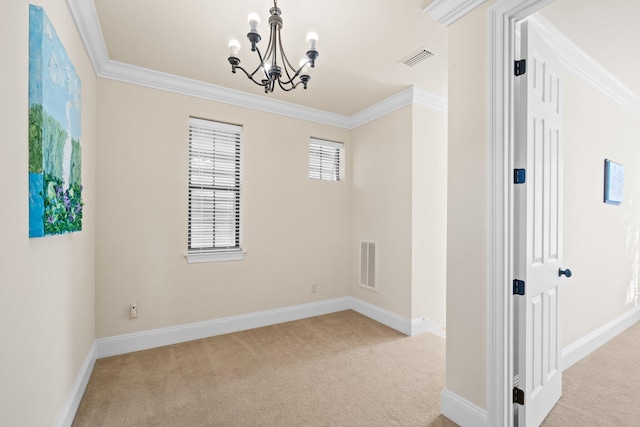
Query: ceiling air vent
x,y
417,57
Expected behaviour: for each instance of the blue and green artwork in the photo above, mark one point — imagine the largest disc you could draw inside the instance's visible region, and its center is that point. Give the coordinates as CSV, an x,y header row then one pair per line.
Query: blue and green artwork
x,y
55,187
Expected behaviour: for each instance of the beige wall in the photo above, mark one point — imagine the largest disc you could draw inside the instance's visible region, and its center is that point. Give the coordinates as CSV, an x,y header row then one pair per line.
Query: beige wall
x,y
381,203
602,241
46,284
399,164
296,231
429,214
467,207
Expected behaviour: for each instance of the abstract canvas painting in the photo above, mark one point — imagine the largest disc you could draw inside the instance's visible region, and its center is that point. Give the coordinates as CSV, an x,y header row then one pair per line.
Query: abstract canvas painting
x,y
55,187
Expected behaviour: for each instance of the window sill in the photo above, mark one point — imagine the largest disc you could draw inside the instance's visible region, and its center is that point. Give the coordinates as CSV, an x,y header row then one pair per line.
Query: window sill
x,y
215,257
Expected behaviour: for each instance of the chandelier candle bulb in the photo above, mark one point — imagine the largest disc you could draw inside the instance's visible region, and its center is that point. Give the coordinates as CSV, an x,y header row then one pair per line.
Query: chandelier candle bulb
x,y
234,47
312,38
254,21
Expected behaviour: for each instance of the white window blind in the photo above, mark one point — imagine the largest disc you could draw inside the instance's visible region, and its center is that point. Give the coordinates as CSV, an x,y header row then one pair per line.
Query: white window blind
x,y
325,159
214,187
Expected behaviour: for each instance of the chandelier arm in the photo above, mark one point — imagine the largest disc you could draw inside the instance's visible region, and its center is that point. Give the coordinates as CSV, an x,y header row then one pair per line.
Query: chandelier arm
x,y
286,65
269,51
259,67
250,76
291,79
293,86
297,73
288,72
285,60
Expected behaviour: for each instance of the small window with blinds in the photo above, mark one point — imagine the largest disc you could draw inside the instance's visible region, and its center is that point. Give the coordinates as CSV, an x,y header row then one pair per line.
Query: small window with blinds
x,y
326,160
214,191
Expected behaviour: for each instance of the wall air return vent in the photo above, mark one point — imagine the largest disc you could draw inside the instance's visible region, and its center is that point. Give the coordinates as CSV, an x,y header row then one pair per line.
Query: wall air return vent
x,y
417,57
368,264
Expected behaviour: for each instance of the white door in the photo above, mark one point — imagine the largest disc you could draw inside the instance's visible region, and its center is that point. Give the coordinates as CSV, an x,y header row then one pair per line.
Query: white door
x,y
538,228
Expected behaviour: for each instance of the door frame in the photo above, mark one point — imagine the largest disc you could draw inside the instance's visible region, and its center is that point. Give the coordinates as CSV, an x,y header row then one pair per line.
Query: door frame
x,y
500,338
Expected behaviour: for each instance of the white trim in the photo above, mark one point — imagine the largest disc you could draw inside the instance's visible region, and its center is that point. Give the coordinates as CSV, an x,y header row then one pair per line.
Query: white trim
x,y
408,327
502,18
196,258
145,340
127,343
88,25
461,411
380,315
72,402
140,76
382,108
429,100
447,12
423,325
409,96
578,350
579,63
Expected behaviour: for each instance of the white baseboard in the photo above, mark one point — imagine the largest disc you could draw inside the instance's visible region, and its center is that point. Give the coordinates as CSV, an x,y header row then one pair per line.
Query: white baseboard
x,y
408,327
461,411
423,325
392,320
121,344
70,407
575,352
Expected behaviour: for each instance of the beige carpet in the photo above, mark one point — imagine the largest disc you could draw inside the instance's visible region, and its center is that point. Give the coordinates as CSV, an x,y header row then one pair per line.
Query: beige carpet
x,y
341,369
603,389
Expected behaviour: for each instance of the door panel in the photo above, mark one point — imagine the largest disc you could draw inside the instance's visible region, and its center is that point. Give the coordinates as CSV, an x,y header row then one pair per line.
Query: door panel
x,y
538,227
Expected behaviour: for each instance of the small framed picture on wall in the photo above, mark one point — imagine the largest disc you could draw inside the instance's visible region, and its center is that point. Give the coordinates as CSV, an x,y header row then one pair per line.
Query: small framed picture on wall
x,y
613,182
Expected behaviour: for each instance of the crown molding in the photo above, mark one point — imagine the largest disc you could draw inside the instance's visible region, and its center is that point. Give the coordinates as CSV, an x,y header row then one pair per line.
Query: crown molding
x,y
132,74
429,100
409,96
88,25
382,108
447,12
583,66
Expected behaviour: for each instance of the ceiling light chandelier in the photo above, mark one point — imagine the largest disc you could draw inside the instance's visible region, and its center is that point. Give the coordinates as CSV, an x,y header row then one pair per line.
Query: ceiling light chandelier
x,y
268,73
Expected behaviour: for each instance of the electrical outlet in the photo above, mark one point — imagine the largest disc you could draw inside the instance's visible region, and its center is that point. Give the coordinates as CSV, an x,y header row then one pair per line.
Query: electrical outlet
x,y
134,310
314,288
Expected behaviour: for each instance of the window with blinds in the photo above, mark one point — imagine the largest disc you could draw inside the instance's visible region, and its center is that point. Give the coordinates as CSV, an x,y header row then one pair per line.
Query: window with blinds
x,y
325,160
214,191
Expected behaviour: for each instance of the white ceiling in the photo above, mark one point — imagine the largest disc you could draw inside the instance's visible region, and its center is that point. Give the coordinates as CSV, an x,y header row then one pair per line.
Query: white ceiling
x,y
360,43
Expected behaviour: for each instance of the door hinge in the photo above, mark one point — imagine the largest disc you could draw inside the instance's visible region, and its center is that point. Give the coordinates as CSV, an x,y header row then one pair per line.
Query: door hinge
x,y
519,176
518,396
520,67
518,287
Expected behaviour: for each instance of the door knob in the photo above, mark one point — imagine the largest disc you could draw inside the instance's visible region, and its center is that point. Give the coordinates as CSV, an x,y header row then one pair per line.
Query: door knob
x,y
567,273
